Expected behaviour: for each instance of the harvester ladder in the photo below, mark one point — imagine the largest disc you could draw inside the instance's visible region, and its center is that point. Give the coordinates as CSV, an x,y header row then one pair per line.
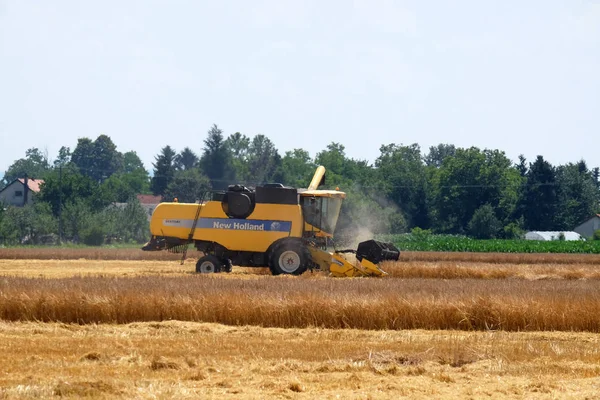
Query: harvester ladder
x,y
191,235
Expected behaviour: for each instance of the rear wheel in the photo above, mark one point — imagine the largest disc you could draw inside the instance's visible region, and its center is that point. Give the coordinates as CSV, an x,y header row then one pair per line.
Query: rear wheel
x,y
289,258
208,264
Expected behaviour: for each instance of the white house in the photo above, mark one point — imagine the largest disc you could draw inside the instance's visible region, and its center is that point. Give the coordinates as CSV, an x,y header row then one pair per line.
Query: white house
x,y
590,226
19,192
551,235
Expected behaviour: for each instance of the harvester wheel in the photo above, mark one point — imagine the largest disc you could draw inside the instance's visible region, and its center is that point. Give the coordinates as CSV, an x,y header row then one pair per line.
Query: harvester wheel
x,y
289,258
208,264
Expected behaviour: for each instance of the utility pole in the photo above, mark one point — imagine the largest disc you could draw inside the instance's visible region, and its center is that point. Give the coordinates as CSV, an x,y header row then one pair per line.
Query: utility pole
x,y
25,189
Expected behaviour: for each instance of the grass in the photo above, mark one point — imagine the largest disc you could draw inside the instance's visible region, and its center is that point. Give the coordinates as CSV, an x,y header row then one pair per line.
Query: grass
x,y
452,243
298,302
191,360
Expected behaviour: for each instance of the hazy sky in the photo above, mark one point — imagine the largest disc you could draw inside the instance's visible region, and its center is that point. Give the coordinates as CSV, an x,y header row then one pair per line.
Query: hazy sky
x,y
519,76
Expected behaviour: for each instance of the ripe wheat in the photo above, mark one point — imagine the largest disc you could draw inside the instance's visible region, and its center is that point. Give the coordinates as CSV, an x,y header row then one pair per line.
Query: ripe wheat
x,y
287,302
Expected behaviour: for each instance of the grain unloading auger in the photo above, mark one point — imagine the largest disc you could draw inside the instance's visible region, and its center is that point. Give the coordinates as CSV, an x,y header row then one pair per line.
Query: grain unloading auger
x,y
286,229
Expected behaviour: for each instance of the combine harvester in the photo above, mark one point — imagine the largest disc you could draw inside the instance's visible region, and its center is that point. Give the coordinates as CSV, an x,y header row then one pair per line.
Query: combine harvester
x,y
286,229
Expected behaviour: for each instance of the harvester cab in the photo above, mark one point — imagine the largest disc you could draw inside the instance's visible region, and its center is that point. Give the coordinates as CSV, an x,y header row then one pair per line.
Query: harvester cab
x,y
286,229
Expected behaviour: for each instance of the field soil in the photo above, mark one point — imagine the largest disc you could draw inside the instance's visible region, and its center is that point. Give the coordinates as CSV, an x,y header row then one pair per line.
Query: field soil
x,y
522,326
199,360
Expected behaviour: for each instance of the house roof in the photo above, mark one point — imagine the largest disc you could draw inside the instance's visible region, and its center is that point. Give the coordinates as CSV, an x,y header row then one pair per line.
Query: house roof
x,y
148,199
587,220
32,184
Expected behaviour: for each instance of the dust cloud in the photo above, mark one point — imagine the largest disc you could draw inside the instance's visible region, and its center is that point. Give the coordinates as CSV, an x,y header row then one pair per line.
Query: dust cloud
x,y
366,216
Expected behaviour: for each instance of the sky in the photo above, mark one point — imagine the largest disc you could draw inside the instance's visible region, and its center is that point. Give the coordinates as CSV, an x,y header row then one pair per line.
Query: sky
x,y
518,76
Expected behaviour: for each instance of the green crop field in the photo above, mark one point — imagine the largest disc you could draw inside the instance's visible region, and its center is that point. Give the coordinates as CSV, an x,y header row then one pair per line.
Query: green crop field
x,y
465,244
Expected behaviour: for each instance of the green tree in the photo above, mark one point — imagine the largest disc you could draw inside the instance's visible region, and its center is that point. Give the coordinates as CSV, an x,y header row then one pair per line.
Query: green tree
x,y
264,161
298,168
540,197
186,160
402,173
133,175
2,213
133,223
484,224
117,188
578,195
97,159
68,185
471,179
343,172
437,154
164,170
188,186
29,224
514,229
83,155
132,163
77,216
519,211
238,146
34,165
333,158
522,166
63,158
215,161
107,160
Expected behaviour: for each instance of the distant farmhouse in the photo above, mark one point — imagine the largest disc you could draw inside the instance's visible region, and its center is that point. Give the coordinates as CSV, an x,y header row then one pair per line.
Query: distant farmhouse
x,y
147,201
552,235
590,226
19,192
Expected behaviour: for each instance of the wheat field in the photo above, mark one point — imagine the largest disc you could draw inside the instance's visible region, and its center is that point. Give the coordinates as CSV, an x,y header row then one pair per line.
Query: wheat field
x,y
297,302
199,360
108,253
446,327
88,253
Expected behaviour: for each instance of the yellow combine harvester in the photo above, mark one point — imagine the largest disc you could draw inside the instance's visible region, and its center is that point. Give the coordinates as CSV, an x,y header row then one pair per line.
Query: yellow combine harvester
x,y
286,229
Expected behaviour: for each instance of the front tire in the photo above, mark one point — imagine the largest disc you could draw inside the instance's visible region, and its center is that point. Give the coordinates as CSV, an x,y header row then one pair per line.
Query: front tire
x,y
289,258
208,264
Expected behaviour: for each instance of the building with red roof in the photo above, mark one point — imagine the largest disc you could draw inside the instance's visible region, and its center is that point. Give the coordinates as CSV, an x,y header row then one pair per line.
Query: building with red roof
x,y
20,191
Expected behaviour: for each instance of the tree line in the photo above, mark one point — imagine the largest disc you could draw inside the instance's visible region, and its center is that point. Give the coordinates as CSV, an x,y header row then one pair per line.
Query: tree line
x,y
446,189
